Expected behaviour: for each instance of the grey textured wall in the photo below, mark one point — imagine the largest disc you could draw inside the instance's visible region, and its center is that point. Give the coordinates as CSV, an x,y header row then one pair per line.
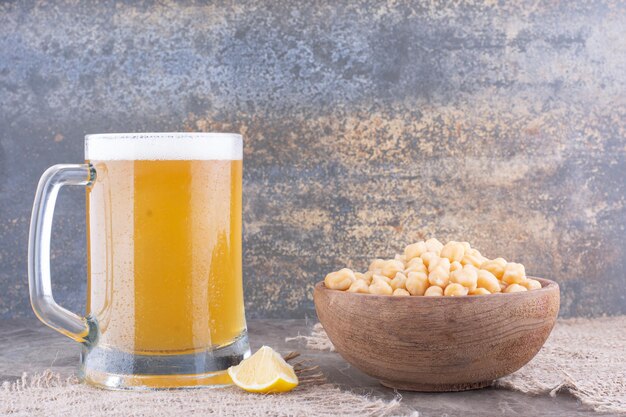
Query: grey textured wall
x,y
368,124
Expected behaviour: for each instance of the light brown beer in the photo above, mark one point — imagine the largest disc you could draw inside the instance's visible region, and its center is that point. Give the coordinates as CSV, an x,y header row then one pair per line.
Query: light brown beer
x,y
165,254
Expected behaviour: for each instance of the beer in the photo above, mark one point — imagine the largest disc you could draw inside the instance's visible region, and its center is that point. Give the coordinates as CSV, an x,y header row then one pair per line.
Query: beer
x,y
164,247
164,294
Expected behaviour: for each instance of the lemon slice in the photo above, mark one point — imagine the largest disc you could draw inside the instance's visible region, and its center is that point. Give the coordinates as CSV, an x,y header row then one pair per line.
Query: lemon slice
x,y
265,372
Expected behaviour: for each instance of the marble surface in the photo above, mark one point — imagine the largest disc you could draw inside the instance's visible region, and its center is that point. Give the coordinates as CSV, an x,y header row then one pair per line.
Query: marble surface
x,y
368,124
28,346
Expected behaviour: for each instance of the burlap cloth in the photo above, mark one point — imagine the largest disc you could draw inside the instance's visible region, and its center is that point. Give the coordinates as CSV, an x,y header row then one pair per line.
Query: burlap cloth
x,y
51,395
585,357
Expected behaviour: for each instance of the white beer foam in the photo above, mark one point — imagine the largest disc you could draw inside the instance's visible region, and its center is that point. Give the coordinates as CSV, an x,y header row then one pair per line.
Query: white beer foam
x,y
163,146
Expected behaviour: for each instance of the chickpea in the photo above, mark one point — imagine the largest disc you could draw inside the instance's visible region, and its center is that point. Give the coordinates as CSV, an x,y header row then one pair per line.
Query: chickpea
x,y
439,263
514,288
500,261
391,268
367,277
531,284
399,281
415,261
377,277
434,291
429,268
415,264
414,250
376,264
359,286
417,283
455,266
473,257
428,257
339,280
453,251
470,267
467,277
439,277
400,292
455,290
416,268
380,287
434,245
514,273
495,266
488,281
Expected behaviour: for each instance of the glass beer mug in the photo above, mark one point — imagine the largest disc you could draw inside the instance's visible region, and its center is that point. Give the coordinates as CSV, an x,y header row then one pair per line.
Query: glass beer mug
x,y
164,294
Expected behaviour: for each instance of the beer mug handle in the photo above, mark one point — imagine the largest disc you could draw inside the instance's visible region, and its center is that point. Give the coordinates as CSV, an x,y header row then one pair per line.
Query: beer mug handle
x,y
41,299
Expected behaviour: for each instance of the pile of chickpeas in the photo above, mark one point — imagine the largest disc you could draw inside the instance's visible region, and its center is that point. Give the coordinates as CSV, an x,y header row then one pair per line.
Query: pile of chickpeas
x,y
430,268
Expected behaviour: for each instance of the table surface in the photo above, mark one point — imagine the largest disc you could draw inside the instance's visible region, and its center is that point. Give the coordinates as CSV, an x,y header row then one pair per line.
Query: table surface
x,y
29,346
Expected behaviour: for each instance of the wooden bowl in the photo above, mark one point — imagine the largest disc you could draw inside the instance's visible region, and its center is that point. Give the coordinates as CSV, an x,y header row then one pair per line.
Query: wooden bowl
x,y
438,343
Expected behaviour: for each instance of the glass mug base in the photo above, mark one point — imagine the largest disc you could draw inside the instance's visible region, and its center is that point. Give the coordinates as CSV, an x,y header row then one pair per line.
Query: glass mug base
x,y
113,369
